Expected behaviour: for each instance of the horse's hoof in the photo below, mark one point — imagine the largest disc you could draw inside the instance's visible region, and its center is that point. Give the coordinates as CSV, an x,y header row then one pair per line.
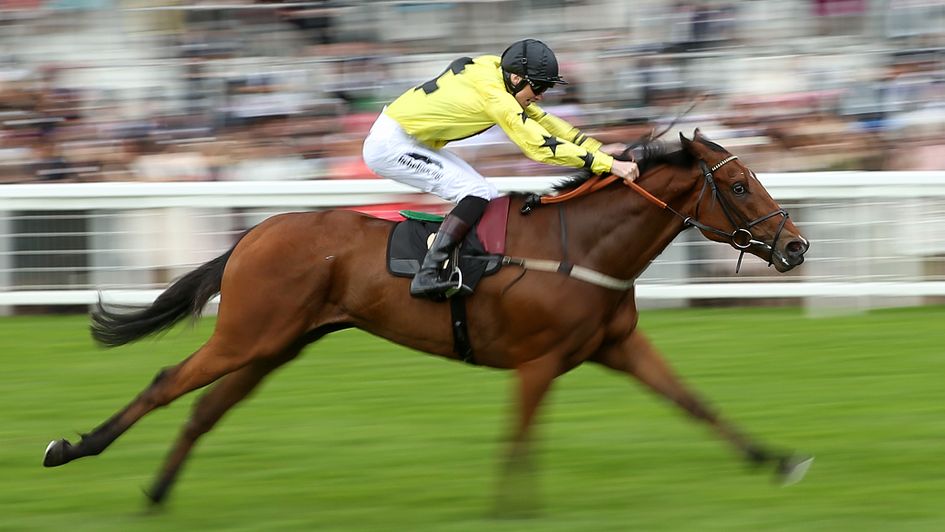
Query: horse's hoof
x,y
154,506
55,454
155,498
791,469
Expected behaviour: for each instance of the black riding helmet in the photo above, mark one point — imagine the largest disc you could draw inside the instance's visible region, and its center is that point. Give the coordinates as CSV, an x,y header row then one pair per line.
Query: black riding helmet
x,y
534,62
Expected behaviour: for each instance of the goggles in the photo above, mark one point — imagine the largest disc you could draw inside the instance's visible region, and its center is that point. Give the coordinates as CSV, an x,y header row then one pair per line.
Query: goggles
x,y
539,87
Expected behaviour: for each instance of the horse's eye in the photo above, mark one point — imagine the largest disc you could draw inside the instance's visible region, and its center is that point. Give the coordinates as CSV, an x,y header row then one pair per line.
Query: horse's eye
x,y
739,189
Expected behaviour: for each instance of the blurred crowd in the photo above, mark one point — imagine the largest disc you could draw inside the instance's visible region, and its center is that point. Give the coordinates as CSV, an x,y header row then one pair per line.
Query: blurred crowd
x,y
111,90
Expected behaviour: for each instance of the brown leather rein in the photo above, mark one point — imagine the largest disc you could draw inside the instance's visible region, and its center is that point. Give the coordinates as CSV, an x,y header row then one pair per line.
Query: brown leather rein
x,y
596,183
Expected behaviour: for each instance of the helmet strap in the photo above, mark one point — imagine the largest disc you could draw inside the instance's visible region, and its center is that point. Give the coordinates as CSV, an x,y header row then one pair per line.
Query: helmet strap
x,y
516,88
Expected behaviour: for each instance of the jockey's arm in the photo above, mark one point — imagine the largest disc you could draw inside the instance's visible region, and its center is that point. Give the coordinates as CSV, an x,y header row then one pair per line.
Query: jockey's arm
x,y
542,145
561,128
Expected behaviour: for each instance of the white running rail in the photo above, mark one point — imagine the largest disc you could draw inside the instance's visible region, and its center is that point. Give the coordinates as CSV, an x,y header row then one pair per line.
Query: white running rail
x,y
878,238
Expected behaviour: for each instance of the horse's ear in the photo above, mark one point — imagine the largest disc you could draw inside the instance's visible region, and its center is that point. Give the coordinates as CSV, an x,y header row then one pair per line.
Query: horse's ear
x,y
696,134
686,143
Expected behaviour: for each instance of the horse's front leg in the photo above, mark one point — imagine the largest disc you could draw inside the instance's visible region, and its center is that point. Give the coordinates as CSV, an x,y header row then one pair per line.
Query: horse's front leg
x,y
636,356
517,484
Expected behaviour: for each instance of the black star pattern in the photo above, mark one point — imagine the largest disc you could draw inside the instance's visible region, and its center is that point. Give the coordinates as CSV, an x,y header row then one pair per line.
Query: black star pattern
x,y
524,116
588,159
551,143
456,67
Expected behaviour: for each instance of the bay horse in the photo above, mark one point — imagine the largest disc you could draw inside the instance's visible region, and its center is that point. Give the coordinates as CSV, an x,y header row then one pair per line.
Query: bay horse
x,y
296,277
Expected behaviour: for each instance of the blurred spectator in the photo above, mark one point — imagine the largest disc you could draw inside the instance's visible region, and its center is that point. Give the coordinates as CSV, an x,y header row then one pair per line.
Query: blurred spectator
x,y
171,162
316,20
253,90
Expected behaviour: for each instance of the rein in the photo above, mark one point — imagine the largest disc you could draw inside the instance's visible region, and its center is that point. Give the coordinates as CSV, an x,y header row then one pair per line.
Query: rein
x,y
740,238
592,185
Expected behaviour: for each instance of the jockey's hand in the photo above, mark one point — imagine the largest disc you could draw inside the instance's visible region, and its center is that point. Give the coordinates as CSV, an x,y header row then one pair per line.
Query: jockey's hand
x,y
627,170
613,149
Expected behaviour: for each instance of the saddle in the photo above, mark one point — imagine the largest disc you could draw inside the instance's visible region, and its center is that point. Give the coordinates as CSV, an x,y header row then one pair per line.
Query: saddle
x,y
479,255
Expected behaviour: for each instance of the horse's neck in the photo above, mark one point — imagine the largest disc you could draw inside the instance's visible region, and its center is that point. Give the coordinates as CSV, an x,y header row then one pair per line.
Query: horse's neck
x,y
625,231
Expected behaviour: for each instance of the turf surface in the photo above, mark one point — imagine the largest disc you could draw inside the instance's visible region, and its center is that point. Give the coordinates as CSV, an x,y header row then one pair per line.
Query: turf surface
x,y
359,434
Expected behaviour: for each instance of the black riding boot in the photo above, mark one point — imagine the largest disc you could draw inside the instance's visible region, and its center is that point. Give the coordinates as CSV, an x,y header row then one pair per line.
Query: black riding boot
x,y
427,282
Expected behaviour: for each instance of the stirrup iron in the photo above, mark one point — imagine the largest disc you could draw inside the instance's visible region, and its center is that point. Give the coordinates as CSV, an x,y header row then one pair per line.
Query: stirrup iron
x,y
456,276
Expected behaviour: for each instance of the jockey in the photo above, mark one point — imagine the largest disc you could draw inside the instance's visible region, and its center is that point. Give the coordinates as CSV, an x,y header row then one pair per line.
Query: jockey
x,y
406,142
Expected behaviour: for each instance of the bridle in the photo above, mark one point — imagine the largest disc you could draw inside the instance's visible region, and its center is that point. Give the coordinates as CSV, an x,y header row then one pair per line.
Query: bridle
x,y
740,238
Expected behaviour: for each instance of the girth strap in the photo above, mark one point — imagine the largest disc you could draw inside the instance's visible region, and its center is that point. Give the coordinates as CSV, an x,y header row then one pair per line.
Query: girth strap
x,y
461,345
578,272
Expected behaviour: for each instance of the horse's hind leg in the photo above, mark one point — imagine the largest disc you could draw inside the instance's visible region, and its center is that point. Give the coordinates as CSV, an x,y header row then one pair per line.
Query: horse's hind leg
x,y
636,356
208,410
206,365
225,394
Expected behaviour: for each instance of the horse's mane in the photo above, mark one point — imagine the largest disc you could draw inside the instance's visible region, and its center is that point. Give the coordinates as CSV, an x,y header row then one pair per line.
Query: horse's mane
x,y
647,151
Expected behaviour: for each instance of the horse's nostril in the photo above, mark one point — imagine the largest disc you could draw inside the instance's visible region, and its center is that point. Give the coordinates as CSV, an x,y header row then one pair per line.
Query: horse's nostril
x,y
796,248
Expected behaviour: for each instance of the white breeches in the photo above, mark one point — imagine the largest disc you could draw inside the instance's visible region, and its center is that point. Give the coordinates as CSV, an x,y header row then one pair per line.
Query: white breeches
x,y
390,152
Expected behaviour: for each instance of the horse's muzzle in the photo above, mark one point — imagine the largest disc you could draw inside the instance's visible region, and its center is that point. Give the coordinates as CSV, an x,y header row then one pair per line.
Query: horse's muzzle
x,y
790,254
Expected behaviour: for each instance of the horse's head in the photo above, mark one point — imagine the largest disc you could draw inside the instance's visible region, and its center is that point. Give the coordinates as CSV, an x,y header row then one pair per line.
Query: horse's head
x,y
733,207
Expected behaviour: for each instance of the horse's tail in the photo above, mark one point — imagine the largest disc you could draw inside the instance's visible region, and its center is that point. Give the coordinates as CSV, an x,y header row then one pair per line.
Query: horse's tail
x,y
186,296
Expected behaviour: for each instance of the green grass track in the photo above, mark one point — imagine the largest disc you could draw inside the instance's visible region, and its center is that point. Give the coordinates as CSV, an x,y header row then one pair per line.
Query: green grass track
x,y
359,434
